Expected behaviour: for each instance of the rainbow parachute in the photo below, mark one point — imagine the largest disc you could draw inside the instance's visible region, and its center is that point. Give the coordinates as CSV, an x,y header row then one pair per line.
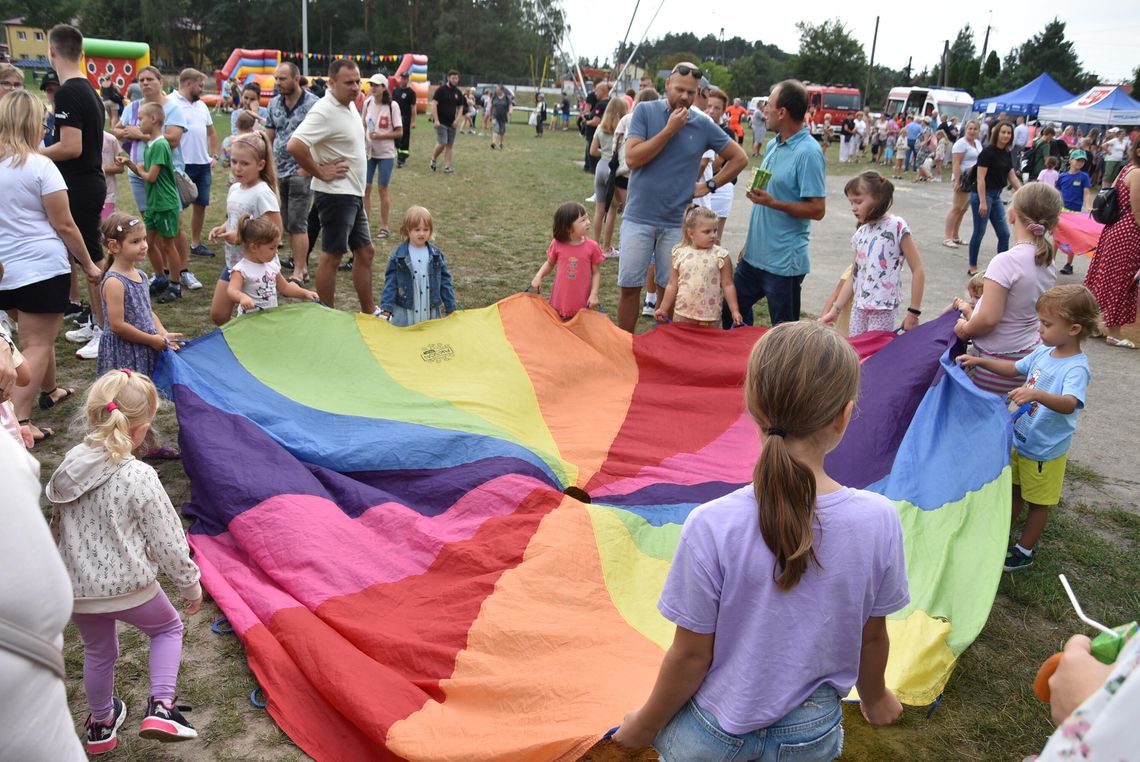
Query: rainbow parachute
x,y
380,512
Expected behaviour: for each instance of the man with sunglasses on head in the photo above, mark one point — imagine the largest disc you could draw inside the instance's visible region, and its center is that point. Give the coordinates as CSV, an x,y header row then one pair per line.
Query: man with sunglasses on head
x,y
775,260
664,145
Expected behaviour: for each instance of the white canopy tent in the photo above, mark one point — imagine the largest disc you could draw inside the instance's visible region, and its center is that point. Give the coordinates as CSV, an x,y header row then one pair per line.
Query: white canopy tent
x,y
1105,104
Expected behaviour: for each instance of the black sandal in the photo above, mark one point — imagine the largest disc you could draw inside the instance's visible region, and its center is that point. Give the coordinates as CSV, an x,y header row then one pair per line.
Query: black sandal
x,y
45,432
48,400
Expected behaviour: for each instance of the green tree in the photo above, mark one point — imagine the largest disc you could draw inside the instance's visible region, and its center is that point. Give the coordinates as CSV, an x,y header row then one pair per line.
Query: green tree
x,y
828,54
721,77
1136,82
755,73
989,82
1048,51
963,69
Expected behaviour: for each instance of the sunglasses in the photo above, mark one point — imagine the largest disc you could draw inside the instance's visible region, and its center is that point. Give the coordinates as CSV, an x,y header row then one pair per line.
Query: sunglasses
x,y
688,71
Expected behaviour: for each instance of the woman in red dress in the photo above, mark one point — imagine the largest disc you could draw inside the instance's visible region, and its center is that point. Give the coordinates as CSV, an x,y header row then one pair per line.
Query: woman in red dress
x,y
1115,269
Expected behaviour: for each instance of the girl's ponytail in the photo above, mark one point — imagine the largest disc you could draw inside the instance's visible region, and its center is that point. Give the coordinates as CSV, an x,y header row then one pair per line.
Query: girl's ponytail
x,y
801,377
1038,206
119,401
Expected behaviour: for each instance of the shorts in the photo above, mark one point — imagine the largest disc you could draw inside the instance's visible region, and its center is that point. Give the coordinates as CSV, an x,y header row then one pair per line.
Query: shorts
x,y
138,190
622,181
43,297
499,126
1040,481
642,245
85,210
225,276
444,136
296,198
203,178
601,178
863,320
164,222
383,167
108,210
812,730
721,203
344,225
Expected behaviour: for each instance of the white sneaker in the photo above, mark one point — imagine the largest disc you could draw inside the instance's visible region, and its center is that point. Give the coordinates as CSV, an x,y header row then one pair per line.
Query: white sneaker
x,y
593,197
649,310
190,282
90,350
81,335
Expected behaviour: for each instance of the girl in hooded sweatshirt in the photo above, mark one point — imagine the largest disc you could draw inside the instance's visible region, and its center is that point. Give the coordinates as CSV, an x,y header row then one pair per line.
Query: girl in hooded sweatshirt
x,y
116,529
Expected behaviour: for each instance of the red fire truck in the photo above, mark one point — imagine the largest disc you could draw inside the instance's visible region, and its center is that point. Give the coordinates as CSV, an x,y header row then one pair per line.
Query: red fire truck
x,y
836,100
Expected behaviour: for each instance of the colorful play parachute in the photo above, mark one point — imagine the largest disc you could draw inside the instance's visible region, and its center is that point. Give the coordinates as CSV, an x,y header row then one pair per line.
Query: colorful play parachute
x,y
381,512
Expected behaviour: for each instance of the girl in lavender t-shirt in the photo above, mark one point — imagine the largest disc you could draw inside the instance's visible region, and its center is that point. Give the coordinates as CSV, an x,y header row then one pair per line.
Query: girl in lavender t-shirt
x,y
780,590
1003,324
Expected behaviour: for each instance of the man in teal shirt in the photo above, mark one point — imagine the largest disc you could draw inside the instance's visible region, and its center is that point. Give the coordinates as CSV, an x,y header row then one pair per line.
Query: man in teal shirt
x,y
775,257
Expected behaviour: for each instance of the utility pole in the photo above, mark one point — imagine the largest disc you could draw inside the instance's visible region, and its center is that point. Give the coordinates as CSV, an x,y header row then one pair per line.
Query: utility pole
x,y
944,80
871,68
986,43
722,46
908,65
305,37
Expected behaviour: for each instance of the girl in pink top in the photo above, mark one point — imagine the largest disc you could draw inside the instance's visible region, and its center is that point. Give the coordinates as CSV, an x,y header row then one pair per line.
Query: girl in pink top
x,y
1003,324
576,260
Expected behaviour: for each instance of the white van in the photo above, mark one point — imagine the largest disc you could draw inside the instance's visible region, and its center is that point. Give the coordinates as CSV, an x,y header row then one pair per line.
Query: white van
x,y
924,101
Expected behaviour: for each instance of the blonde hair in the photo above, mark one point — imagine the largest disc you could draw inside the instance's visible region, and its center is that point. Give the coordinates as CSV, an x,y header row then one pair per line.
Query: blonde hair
x,y
1038,204
413,218
976,283
119,401
617,108
1074,304
8,71
694,215
21,126
801,376
258,142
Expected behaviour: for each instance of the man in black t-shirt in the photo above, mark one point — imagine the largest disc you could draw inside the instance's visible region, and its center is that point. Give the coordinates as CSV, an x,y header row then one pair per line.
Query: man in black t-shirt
x,y
446,103
598,103
78,148
405,98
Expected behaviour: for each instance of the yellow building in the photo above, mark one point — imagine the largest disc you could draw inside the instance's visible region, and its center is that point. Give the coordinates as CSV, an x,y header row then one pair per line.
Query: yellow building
x,y
25,42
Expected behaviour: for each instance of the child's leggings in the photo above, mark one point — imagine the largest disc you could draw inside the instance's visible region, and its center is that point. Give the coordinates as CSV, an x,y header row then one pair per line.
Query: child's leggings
x,y
159,620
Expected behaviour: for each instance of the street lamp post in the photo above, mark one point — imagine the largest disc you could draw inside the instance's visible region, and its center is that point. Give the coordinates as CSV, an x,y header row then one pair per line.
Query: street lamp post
x,y
305,37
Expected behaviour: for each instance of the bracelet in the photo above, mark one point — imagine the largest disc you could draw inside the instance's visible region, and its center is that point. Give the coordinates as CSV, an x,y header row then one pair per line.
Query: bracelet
x,y
914,310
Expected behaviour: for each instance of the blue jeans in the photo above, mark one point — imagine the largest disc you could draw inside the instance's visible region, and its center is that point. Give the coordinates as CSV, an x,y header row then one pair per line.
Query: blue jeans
x,y
911,155
811,731
997,219
753,284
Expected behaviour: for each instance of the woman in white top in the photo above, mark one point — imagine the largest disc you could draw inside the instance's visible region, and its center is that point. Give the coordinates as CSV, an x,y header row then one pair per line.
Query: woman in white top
x,y
36,235
964,156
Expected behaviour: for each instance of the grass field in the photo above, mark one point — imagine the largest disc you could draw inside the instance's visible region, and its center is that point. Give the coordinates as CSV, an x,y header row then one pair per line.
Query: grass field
x,y
492,220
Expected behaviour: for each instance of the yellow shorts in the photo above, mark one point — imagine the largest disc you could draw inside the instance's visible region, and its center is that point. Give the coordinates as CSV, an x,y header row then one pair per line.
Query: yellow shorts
x,y
1040,481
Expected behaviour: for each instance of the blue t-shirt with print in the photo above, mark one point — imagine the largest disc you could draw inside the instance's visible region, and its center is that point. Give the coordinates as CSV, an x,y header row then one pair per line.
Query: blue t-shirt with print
x,y
660,190
777,241
1072,186
1043,434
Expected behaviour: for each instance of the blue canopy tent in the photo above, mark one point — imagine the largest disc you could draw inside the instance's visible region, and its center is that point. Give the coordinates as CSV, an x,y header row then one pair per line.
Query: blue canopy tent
x,y
1025,99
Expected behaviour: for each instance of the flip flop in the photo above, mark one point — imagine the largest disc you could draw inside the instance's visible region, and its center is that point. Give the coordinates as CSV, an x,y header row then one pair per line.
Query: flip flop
x,y
1122,343
295,280
48,401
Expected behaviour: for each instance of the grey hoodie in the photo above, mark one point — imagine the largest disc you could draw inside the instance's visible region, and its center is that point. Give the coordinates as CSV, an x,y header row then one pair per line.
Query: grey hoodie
x,y
116,530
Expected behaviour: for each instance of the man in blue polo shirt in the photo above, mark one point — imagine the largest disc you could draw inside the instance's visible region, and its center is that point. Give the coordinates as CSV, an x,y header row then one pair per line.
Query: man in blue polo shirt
x,y
663,150
913,130
775,257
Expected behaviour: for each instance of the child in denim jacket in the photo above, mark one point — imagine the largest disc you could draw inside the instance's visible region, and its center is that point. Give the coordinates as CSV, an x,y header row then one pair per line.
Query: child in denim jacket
x,y
417,284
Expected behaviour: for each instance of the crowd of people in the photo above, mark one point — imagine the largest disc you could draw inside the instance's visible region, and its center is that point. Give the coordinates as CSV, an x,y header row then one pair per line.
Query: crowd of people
x,y
304,167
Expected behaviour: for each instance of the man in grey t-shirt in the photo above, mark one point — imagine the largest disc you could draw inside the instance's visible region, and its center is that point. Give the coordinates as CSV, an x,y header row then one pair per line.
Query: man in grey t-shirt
x,y
663,180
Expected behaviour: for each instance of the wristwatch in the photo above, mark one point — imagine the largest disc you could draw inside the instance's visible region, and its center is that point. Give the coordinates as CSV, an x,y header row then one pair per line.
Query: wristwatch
x,y
710,184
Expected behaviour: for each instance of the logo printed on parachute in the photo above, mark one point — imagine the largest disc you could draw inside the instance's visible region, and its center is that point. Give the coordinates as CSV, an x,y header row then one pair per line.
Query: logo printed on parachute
x,y
437,353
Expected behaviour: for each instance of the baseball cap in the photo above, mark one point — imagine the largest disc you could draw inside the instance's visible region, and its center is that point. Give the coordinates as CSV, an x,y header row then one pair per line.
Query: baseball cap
x,y
378,79
50,78
1077,154
404,74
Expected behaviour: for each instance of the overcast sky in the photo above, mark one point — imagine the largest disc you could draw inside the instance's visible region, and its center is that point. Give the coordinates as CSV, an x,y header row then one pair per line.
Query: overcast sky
x,y
1106,35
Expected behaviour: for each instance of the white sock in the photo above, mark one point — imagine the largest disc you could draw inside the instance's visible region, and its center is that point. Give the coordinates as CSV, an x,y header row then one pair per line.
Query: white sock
x,y
1026,551
651,297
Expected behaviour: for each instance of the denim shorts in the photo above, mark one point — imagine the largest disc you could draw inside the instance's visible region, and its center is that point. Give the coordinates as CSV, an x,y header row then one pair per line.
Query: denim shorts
x,y
383,167
643,245
811,731
296,198
444,135
344,225
203,178
138,190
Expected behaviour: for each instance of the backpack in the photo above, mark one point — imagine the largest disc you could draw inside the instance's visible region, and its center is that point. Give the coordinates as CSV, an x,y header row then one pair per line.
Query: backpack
x,y
1106,207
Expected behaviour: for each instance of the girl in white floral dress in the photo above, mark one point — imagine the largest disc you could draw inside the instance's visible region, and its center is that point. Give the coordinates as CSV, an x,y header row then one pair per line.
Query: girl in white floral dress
x,y
882,243
701,272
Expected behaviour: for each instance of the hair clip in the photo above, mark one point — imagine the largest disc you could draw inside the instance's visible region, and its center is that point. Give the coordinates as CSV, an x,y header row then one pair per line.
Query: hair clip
x,y
1036,228
111,406
125,370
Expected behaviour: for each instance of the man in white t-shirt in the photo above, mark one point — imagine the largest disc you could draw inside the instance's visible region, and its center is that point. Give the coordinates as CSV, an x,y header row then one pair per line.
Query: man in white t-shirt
x,y
330,146
1114,149
199,148
1020,139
